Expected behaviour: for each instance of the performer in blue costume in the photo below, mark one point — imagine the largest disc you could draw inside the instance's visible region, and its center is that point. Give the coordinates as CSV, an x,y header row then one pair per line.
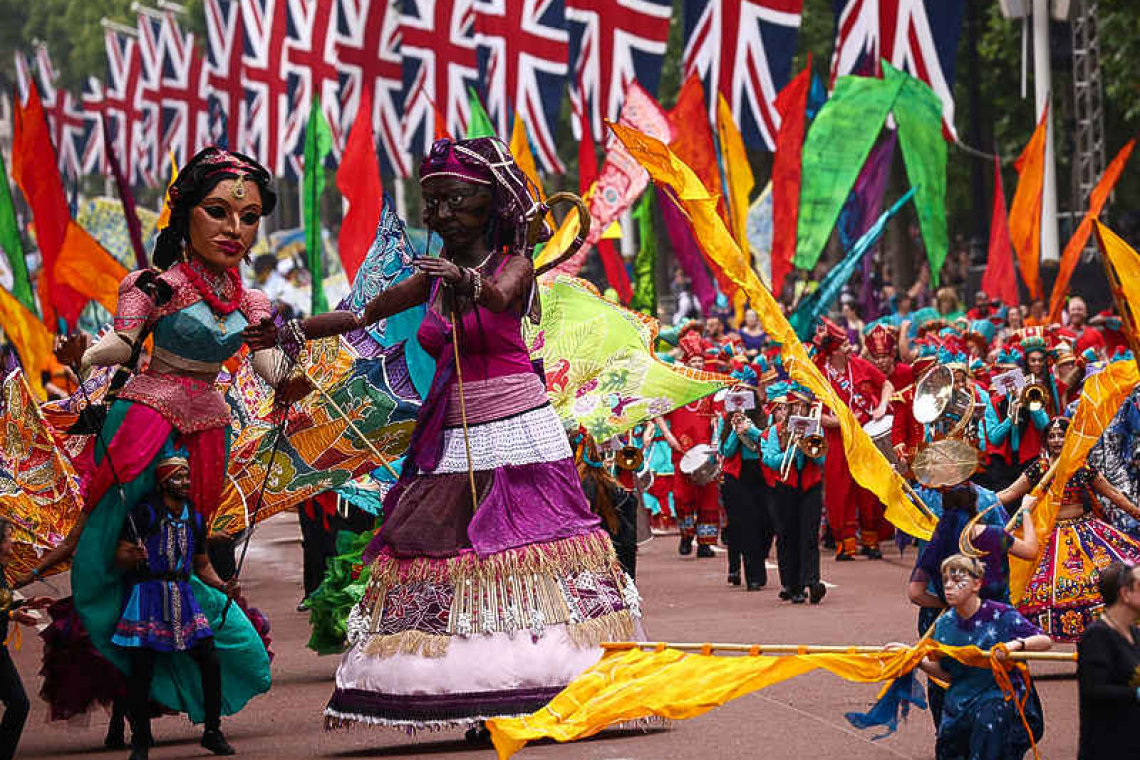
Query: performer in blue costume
x,y
195,307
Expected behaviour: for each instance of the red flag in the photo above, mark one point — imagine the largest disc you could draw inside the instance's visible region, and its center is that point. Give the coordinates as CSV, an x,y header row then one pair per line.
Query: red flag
x,y
1025,212
358,179
1072,252
134,228
786,168
587,158
693,138
1000,281
34,171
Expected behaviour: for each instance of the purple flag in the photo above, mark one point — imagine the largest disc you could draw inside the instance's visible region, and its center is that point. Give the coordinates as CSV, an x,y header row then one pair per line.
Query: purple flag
x,y
863,207
128,200
688,254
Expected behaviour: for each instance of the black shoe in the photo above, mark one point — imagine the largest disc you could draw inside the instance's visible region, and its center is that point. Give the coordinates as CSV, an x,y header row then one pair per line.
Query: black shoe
x,y
140,752
844,557
704,551
478,734
785,593
872,553
798,597
686,547
115,738
734,579
816,592
214,741
754,586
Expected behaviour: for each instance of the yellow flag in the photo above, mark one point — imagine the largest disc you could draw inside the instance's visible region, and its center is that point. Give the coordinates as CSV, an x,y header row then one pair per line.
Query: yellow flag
x,y
27,334
1101,398
737,171
1126,262
520,149
868,466
164,217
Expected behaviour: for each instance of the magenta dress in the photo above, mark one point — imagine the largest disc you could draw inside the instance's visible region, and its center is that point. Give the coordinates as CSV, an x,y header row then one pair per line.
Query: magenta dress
x,y
474,613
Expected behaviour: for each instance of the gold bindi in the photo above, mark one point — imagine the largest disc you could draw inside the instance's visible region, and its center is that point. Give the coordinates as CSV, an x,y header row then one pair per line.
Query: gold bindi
x,y
238,189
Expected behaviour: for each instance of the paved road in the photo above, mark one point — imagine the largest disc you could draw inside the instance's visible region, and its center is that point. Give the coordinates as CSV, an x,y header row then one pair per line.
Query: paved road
x,y
686,599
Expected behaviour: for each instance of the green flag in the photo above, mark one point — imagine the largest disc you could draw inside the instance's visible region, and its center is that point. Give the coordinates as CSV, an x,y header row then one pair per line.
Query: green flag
x,y
318,143
918,112
837,146
645,265
10,242
480,124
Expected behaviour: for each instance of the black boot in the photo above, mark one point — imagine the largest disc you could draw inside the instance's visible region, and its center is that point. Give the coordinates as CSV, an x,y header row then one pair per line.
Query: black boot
x,y
215,741
816,592
116,733
705,551
478,734
686,547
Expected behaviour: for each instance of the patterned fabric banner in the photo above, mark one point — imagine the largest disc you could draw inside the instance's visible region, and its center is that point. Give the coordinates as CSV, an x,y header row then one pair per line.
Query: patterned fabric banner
x,y
39,490
600,368
320,449
103,218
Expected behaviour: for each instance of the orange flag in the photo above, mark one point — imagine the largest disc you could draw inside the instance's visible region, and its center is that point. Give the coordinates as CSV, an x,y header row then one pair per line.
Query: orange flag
x,y
1072,252
87,267
868,465
32,341
34,171
1025,213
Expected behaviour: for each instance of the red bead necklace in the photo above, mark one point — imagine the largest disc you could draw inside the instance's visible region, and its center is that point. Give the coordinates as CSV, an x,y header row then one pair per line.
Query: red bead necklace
x,y
209,296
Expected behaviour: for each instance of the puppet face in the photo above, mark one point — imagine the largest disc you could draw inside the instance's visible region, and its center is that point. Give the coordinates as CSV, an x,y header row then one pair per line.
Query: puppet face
x,y
458,211
224,227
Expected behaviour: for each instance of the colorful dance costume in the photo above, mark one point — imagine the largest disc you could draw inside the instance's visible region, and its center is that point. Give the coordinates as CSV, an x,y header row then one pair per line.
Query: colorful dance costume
x,y
1062,597
487,610
154,410
697,507
977,720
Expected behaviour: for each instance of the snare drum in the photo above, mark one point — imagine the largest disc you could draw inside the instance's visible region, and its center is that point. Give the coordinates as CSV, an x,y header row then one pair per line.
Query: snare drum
x,y
700,464
880,433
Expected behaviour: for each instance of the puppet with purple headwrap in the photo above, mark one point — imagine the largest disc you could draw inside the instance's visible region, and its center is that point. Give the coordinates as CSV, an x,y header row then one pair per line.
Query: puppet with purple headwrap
x,y
492,582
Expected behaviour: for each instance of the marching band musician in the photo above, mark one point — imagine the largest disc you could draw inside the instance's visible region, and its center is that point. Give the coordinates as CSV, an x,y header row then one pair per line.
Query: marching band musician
x,y
1023,425
796,496
697,506
882,344
745,495
854,512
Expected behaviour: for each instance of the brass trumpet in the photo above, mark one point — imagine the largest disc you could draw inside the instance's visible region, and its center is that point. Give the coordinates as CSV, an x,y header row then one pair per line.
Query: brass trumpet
x,y
1034,397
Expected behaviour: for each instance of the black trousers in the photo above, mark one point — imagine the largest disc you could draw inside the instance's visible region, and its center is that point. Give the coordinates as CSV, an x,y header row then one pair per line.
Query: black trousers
x,y
749,530
138,689
16,705
797,516
998,474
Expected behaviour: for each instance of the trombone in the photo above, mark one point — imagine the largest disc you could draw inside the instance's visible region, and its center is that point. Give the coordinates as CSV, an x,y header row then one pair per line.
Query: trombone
x,y
812,445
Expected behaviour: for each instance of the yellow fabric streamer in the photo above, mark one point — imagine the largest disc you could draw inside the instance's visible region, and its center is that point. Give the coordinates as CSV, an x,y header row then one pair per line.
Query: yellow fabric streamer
x,y
629,685
868,466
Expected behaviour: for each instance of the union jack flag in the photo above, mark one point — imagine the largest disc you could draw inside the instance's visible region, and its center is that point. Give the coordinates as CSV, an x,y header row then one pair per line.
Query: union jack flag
x,y
185,100
612,43
150,139
124,110
94,159
310,67
524,47
224,69
437,43
917,36
263,26
367,46
743,49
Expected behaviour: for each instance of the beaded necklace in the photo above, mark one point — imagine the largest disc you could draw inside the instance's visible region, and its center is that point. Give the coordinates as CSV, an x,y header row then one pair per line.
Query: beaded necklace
x,y
210,295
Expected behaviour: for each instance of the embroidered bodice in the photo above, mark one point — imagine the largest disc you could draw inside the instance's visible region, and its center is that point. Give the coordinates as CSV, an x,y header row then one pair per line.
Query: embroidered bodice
x,y
198,334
